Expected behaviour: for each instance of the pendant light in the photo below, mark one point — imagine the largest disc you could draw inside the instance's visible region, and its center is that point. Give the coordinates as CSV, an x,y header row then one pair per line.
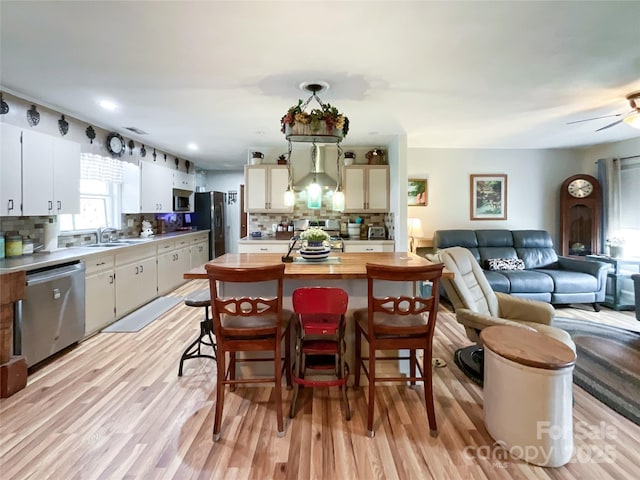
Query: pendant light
x,y
314,190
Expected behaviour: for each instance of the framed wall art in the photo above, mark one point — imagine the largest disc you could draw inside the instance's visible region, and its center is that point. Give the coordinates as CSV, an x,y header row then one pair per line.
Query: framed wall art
x,y
488,194
417,192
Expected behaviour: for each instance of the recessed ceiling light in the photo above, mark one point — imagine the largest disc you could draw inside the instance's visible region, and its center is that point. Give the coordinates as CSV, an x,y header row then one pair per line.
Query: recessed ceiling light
x,y
192,146
107,105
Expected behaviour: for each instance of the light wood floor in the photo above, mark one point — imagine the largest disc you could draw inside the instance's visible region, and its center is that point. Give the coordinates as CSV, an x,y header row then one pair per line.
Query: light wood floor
x,y
114,408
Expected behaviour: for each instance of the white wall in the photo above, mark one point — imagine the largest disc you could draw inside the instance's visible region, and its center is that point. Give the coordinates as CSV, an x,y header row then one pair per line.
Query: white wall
x,y
533,183
627,148
226,182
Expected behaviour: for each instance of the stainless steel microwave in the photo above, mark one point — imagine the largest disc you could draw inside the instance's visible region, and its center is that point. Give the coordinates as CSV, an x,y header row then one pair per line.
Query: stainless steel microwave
x,y
181,203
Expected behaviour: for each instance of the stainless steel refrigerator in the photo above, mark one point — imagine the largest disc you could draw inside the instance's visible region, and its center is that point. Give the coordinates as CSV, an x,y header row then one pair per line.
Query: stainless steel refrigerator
x,y
209,215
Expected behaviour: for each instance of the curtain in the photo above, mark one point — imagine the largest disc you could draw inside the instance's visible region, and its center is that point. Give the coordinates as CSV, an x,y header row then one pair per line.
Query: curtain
x,y
609,177
104,169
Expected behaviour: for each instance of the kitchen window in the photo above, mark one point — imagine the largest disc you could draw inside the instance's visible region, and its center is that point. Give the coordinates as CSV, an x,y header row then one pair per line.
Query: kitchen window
x,y
629,201
100,195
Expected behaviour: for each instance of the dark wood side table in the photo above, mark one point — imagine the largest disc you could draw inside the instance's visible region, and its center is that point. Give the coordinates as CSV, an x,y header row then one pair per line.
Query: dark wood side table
x,y
620,293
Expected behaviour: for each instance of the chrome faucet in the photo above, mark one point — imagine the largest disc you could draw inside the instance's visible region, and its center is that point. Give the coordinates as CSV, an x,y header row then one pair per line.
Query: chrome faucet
x,y
108,231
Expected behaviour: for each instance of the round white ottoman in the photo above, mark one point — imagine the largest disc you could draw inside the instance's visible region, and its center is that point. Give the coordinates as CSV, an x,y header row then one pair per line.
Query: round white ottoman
x,y
528,394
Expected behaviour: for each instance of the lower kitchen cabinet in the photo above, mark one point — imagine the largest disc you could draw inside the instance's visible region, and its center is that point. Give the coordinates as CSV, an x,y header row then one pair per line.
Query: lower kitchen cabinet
x,y
136,278
100,292
263,246
174,260
117,283
199,254
370,246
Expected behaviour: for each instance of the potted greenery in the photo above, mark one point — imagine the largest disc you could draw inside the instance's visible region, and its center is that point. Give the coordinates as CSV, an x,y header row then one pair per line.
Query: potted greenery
x,y
314,236
325,120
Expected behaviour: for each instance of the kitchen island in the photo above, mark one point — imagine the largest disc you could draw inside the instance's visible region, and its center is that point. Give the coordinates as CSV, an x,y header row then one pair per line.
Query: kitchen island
x,y
344,270
339,266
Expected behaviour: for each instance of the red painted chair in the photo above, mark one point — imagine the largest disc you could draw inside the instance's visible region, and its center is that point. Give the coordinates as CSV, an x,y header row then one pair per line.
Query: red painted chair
x,y
320,344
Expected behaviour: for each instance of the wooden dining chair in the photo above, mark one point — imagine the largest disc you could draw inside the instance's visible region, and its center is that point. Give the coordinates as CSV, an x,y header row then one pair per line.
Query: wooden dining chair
x,y
398,323
247,324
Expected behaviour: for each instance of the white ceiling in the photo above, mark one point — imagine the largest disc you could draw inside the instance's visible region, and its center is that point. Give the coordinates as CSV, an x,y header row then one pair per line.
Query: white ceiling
x,y
222,74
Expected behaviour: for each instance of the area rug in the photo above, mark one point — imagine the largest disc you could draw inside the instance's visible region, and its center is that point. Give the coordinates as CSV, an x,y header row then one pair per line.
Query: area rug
x,y
142,317
607,364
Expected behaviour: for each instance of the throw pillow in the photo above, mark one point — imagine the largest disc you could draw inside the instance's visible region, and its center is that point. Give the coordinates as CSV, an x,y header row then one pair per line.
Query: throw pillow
x,y
505,264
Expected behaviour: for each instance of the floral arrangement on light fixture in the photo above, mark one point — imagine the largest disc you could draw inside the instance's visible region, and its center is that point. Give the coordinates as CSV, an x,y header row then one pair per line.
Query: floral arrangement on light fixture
x,y
326,113
314,234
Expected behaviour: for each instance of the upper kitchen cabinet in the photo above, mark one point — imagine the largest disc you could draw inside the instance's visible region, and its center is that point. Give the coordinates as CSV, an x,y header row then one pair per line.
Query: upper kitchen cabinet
x,y
184,181
156,188
264,188
148,188
50,175
10,165
366,188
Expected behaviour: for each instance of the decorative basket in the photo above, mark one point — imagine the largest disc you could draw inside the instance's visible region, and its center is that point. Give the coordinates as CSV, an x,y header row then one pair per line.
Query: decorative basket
x,y
301,132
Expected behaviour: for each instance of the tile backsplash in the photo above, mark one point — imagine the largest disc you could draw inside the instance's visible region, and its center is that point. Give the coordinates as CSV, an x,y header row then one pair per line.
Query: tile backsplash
x,y
262,222
33,227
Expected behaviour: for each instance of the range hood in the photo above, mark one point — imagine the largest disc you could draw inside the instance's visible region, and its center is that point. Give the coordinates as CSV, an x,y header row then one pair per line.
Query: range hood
x,y
321,178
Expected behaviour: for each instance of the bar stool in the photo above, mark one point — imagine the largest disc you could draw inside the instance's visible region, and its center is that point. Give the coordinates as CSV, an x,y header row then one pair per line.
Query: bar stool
x,y
201,298
249,324
320,343
398,323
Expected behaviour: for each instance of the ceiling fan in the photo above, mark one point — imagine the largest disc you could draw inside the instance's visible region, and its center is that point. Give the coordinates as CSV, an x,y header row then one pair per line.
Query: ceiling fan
x,y
632,117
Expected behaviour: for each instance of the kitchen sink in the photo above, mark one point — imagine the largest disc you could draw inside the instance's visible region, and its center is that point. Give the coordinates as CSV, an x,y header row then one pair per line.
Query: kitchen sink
x,y
134,240
110,244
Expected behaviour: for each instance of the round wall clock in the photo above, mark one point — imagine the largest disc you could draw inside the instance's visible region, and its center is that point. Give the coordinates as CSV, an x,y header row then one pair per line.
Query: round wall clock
x,y
115,144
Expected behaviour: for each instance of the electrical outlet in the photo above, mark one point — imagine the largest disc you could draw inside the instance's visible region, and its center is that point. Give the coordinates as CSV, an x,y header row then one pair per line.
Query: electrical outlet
x,y
130,222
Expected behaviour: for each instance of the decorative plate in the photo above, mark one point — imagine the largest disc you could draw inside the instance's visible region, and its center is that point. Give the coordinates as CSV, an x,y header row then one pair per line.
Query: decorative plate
x,y
115,144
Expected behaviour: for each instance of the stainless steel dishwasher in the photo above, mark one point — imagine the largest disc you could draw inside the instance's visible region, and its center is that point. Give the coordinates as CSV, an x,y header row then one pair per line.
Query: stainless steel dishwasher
x,y
51,315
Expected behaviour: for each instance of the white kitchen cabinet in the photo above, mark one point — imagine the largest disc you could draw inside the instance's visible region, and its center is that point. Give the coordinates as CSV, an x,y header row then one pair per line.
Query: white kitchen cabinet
x,y
264,188
156,188
100,293
131,187
136,277
199,250
366,188
263,246
11,167
174,258
184,181
50,175
368,246
66,176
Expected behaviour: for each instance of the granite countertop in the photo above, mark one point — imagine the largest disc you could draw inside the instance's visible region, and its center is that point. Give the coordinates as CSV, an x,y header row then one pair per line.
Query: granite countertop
x,y
70,254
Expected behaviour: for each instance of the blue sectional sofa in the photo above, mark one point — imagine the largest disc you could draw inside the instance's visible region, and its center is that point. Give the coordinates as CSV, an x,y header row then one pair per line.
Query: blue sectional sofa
x,y
524,263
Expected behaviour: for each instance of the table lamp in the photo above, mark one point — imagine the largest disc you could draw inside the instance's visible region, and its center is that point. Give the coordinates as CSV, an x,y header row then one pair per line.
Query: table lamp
x,y
414,228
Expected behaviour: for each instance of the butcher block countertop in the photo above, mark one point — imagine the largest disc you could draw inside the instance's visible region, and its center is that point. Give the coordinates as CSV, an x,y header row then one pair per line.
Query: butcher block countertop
x,y
338,266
